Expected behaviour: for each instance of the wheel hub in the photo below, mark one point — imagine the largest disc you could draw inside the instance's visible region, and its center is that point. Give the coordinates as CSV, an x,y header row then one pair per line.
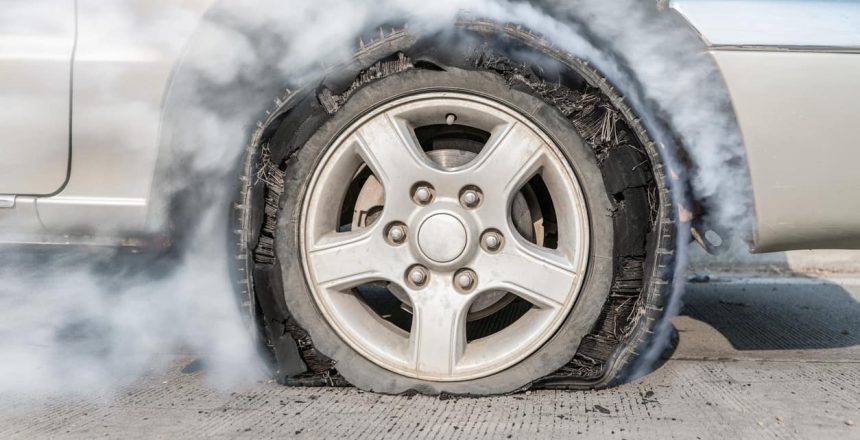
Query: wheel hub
x,y
442,238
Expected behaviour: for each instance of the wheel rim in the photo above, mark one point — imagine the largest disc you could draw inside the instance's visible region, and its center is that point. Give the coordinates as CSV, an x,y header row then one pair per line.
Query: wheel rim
x,y
444,239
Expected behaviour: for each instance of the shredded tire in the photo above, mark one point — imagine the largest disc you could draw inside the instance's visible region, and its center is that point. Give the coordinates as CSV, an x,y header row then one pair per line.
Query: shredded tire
x,y
633,174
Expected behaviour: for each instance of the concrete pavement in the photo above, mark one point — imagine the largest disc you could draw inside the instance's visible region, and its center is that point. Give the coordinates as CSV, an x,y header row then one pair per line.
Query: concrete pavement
x,y
758,357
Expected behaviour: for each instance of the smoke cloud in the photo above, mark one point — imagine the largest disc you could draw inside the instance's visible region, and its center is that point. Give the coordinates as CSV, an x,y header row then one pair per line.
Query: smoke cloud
x,y
74,321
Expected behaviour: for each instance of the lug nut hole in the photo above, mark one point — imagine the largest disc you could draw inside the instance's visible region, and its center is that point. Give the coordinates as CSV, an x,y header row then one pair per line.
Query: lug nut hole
x,y
417,276
396,233
492,241
465,280
471,197
423,193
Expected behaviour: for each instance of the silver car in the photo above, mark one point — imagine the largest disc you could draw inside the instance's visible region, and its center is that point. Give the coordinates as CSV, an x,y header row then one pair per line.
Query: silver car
x,y
471,203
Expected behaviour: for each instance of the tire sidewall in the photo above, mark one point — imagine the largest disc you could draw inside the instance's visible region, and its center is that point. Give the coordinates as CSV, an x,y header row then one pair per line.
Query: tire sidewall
x,y
554,353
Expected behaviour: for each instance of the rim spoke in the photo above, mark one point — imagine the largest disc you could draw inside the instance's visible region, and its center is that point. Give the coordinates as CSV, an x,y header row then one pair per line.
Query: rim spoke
x,y
391,152
541,276
344,260
512,156
438,336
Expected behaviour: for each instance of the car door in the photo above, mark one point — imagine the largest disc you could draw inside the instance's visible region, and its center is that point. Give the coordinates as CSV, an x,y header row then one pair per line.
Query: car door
x,y
37,40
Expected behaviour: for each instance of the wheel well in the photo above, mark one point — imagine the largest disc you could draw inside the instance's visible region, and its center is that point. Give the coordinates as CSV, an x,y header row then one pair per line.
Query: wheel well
x,y
397,52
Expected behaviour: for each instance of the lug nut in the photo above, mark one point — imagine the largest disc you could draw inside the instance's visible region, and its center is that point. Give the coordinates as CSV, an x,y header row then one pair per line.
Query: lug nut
x,y
396,234
465,280
492,241
450,119
470,198
417,276
423,194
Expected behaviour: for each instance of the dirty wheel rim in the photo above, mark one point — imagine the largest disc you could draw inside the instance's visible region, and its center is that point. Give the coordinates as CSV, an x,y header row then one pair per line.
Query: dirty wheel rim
x,y
443,238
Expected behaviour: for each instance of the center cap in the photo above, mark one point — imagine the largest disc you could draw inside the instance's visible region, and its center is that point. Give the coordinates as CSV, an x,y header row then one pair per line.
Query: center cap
x,y
442,238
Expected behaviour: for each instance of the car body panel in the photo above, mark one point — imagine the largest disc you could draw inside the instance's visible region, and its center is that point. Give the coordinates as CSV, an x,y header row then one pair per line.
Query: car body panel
x,y
793,74
35,64
798,115
775,23
120,85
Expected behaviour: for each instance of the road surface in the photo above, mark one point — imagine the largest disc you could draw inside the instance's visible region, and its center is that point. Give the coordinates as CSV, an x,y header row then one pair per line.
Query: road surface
x,y
758,357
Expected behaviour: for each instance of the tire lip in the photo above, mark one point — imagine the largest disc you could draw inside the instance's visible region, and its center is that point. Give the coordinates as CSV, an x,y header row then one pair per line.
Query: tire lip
x,y
532,368
336,141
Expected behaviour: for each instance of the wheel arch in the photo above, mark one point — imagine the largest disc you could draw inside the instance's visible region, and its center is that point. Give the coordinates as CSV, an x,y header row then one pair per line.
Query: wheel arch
x,y
629,95
376,50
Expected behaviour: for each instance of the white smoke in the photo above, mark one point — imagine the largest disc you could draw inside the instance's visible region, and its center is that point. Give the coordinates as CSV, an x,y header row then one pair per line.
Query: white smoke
x,y
77,320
